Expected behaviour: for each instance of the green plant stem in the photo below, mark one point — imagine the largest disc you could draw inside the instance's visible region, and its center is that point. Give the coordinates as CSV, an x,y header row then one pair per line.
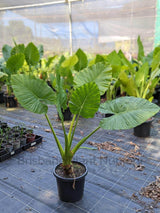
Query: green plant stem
x,y
145,91
56,139
77,146
66,153
137,93
141,89
70,130
109,93
30,70
74,128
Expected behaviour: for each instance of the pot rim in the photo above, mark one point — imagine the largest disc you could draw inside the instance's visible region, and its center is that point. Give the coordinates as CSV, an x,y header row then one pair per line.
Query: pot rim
x,y
70,179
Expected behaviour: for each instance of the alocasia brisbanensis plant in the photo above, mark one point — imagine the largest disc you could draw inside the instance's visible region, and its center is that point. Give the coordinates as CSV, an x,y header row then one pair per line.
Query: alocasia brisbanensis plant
x,y
34,95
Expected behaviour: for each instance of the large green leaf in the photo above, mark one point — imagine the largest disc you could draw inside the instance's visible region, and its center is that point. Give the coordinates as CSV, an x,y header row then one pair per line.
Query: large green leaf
x,y
82,60
85,100
32,54
114,59
70,62
33,94
100,58
128,112
98,73
6,50
15,62
18,49
140,49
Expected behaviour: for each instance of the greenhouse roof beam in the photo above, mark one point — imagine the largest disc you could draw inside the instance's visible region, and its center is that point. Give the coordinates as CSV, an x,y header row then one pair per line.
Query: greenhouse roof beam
x,y
38,4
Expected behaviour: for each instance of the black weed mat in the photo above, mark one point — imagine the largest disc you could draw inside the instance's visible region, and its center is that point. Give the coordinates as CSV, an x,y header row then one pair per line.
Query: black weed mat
x,y
123,170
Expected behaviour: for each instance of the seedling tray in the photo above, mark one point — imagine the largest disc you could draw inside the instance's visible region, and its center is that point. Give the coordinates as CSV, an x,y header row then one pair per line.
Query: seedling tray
x,y
38,139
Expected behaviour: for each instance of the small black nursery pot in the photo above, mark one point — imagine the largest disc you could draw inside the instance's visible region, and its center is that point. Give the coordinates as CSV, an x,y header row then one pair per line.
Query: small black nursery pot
x,y
67,115
144,129
70,189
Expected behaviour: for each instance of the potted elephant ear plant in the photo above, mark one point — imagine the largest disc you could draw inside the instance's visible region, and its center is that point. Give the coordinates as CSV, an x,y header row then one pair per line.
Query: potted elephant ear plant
x,y
140,79
15,58
84,101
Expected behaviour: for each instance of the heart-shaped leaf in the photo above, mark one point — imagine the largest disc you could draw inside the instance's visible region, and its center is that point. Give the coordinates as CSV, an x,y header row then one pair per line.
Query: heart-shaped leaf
x,y
33,94
82,60
128,112
32,54
98,73
15,62
85,100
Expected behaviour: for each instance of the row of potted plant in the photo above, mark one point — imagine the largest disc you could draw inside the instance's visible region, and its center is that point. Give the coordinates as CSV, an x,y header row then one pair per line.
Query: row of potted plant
x,y
15,139
19,58
112,73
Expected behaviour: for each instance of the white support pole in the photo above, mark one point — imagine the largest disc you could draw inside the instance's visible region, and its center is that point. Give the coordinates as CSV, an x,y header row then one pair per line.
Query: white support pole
x,y
70,26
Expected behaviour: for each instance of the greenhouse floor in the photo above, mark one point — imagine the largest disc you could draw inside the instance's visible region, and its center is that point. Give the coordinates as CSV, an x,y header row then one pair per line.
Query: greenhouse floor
x,y
117,170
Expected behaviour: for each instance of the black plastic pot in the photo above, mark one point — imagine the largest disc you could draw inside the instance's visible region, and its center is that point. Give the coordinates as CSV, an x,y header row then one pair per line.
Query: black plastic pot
x,y
10,101
1,97
144,129
66,191
67,115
